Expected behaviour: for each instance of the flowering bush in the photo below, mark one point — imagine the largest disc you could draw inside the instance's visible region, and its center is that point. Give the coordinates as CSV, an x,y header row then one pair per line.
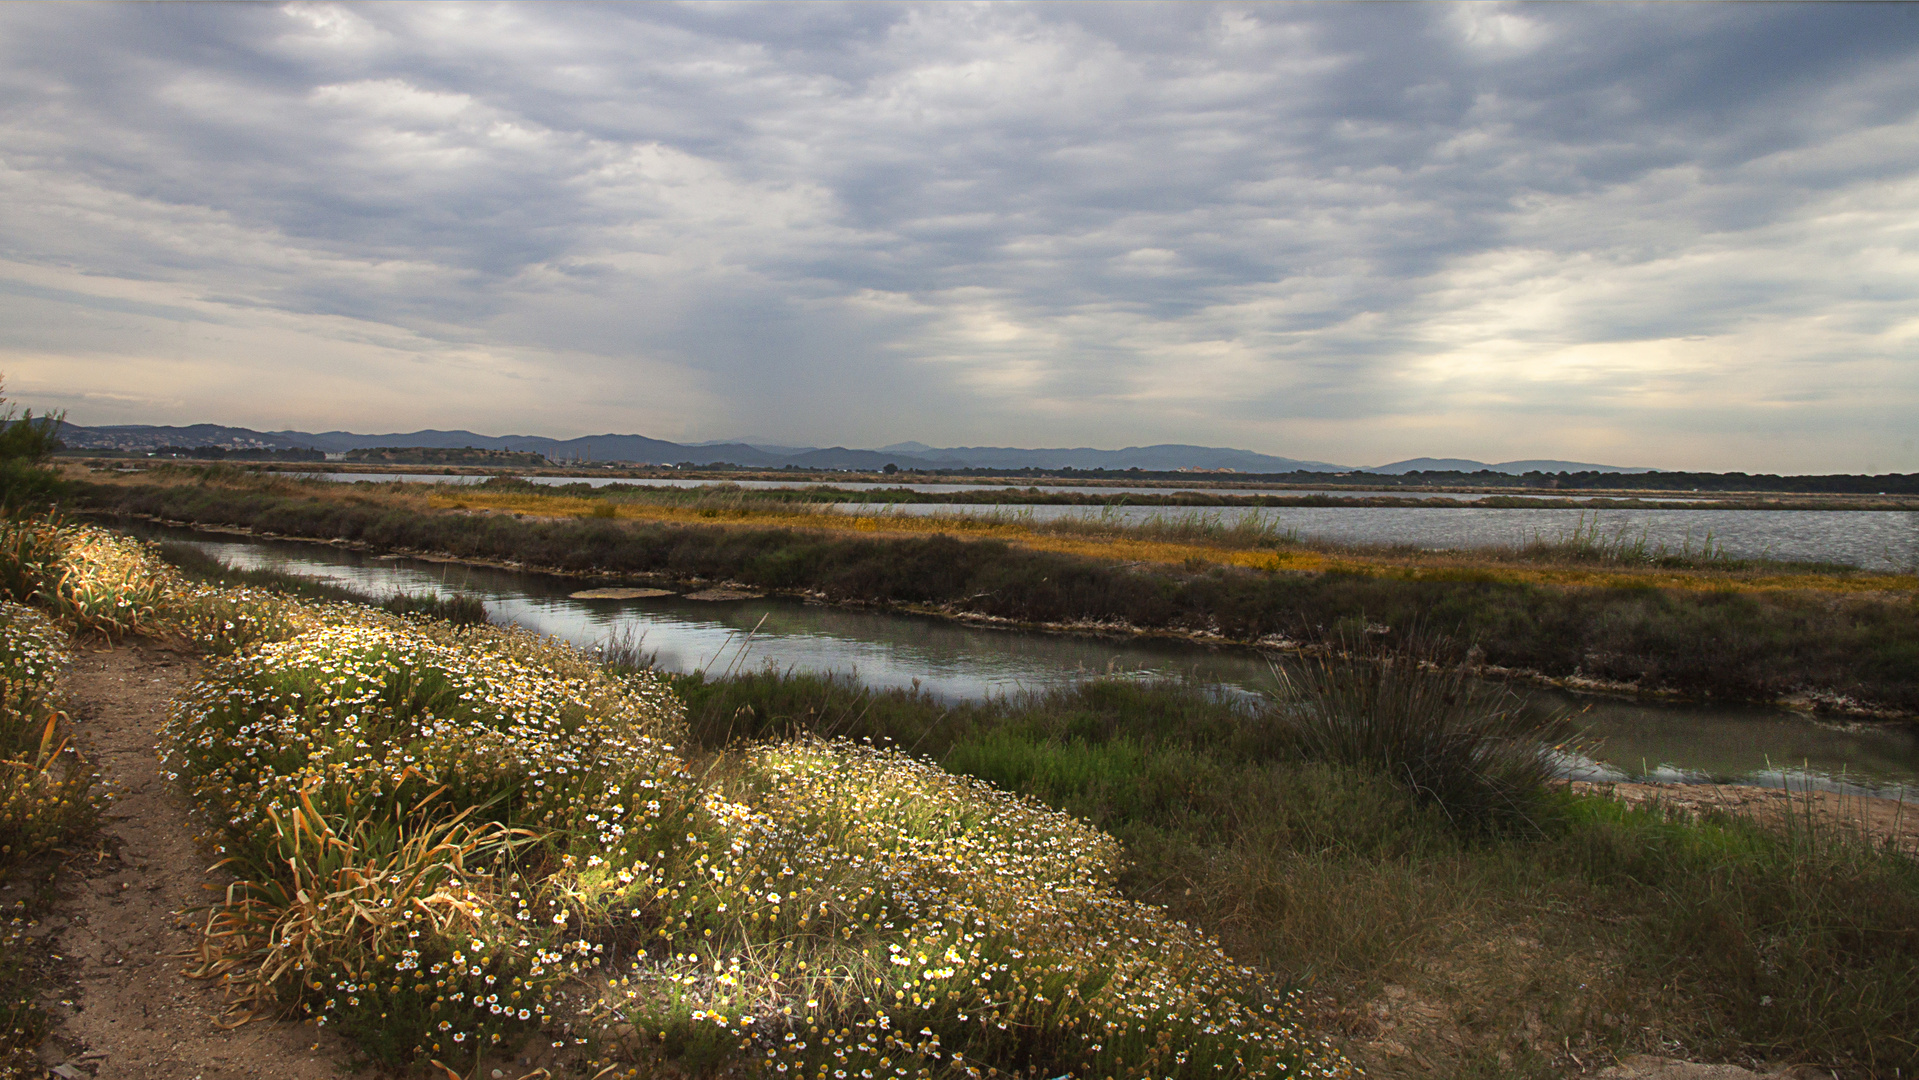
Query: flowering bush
x,y
43,782
97,580
91,577
442,828
408,802
852,912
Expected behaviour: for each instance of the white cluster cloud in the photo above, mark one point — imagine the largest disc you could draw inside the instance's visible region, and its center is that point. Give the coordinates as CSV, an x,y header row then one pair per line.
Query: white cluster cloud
x,y
1684,236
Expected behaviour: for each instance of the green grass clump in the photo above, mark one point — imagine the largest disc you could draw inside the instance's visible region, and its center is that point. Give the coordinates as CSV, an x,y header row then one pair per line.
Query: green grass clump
x,y
1799,938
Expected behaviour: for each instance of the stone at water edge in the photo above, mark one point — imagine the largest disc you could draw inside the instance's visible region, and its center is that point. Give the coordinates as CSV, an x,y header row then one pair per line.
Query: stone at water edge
x,y
723,594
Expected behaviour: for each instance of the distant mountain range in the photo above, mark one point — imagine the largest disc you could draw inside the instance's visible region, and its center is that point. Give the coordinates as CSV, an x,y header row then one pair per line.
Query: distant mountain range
x,y
1513,468
908,455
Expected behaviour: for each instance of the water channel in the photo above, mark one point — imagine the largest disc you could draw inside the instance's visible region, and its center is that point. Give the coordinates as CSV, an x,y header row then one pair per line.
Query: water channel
x,y
954,660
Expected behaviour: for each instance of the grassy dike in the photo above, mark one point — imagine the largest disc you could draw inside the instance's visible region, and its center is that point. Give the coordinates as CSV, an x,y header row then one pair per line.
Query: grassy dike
x,y
1693,625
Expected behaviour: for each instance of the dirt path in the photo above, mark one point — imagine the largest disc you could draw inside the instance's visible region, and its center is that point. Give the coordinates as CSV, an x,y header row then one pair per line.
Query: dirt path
x,y
120,916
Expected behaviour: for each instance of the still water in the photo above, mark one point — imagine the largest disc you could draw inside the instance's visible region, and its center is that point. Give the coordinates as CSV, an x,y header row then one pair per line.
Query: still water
x,y
936,489
955,661
1868,539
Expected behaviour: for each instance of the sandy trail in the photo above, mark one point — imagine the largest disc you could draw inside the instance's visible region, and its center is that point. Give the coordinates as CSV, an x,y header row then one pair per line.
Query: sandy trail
x,y
124,916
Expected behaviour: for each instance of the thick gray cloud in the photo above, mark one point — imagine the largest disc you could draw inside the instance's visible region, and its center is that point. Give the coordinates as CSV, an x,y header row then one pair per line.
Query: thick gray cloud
x,y
1681,235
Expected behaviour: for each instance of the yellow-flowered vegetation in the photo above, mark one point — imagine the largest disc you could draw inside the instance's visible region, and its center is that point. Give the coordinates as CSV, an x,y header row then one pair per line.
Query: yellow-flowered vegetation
x,y
453,838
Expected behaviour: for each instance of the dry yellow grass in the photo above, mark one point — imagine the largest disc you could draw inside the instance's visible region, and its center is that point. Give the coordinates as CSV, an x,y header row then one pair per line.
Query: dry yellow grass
x,y
1437,566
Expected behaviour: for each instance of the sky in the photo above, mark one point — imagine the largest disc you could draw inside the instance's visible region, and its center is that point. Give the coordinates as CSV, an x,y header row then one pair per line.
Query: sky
x,y
1674,235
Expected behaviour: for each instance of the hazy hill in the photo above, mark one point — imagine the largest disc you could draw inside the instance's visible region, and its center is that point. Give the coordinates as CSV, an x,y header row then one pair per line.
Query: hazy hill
x,y
909,455
1514,468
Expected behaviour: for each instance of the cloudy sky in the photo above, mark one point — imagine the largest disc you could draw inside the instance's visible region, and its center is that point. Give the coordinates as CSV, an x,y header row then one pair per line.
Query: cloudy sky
x,y
1679,235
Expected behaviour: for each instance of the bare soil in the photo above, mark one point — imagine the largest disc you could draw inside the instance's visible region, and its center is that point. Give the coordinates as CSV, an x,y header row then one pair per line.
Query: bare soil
x,y
125,921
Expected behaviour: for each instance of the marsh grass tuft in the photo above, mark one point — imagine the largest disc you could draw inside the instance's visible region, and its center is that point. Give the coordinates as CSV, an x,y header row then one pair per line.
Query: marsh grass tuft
x,y
1472,749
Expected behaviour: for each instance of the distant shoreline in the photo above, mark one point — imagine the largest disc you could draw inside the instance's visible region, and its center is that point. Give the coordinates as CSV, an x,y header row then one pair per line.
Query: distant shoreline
x,y
1401,495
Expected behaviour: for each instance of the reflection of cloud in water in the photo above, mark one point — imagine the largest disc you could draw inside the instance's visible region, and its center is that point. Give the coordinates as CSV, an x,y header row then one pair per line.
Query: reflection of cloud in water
x,y
955,660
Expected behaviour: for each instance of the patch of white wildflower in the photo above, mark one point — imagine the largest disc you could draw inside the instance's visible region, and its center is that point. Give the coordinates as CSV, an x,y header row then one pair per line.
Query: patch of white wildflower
x,y
852,912
326,758
43,782
446,831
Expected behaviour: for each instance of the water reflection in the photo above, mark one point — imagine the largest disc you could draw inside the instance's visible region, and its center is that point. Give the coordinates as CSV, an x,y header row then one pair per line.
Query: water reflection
x,y
956,660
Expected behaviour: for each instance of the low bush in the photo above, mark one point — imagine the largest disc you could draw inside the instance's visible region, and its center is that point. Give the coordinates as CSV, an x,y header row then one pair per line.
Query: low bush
x,y
437,828
89,577
376,758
